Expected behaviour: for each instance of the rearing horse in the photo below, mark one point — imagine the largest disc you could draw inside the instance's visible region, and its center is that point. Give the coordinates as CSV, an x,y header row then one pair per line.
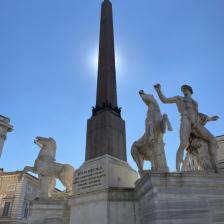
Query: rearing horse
x,y
47,169
150,146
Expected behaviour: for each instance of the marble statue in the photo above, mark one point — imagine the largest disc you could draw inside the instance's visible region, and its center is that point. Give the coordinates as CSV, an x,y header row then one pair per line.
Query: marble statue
x,y
47,169
188,108
150,146
198,156
5,127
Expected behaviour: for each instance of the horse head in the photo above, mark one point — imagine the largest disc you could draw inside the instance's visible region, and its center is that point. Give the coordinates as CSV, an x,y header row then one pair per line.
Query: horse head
x,y
148,99
47,145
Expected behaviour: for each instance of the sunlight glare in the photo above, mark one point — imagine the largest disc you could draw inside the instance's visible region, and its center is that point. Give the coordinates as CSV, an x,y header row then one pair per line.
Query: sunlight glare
x,y
94,62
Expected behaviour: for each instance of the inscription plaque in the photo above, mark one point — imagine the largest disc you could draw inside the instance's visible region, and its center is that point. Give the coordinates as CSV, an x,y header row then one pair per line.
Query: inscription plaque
x,y
89,178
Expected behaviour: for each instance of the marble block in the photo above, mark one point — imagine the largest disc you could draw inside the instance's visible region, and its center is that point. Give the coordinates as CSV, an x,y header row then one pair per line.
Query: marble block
x,y
49,211
102,173
180,198
103,192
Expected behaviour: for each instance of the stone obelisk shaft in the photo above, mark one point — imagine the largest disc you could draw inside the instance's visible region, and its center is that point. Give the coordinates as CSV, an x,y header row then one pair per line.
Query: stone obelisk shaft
x,y
106,129
106,83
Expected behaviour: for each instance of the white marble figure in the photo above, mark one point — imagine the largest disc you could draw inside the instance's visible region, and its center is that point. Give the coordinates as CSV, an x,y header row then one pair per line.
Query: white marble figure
x,y
188,109
47,169
198,156
150,146
5,127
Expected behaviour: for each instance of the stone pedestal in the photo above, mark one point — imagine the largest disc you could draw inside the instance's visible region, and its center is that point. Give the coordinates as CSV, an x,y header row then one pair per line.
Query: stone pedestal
x,y
220,153
49,212
173,198
103,192
105,135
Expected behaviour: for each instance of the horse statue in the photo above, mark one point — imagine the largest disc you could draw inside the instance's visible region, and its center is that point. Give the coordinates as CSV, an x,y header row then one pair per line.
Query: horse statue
x,y
48,170
150,146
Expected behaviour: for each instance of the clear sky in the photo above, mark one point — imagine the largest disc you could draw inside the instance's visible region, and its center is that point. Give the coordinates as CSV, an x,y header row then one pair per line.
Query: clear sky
x,y
48,54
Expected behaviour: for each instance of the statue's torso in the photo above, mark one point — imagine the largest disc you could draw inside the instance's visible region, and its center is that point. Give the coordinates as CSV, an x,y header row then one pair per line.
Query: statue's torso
x,y
188,107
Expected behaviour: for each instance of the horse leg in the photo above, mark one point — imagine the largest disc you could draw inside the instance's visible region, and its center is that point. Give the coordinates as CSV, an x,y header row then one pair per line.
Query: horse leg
x,y
137,158
51,186
66,177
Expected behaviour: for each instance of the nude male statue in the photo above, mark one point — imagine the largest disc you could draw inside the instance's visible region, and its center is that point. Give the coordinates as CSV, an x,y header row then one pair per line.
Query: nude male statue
x,y
188,109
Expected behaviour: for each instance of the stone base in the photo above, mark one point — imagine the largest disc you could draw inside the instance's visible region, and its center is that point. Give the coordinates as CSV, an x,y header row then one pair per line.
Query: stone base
x,y
105,135
49,212
103,173
173,198
110,206
103,192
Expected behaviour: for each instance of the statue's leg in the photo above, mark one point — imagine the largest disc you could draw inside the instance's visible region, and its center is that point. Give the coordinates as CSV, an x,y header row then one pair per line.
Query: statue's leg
x,y
137,157
159,158
166,124
185,130
186,163
205,134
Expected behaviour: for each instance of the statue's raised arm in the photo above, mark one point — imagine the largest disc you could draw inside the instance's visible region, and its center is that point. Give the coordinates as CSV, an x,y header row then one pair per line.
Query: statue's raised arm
x,y
162,97
212,118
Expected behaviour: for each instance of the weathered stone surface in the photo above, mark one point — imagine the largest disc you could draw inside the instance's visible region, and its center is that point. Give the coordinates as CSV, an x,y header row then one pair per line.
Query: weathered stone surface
x,y
190,123
106,82
198,157
49,212
48,170
220,140
5,127
106,129
109,206
151,146
103,192
102,173
19,190
106,135
191,198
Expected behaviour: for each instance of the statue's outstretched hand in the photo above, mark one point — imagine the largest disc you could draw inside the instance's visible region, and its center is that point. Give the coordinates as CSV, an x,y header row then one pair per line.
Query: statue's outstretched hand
x,y
215,118
157,87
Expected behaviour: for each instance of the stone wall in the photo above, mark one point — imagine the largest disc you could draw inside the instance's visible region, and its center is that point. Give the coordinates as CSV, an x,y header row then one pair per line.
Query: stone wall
x,y
177,198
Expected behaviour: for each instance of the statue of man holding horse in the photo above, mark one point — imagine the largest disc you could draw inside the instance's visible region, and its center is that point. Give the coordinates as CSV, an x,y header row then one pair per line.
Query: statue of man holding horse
x,y
188,109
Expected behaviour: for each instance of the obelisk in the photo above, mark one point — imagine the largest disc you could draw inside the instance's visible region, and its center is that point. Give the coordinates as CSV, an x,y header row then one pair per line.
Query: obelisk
x,y
103,181
106,128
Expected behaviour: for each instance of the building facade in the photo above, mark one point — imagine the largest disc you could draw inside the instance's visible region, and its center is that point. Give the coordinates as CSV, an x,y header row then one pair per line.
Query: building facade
x,y
17,190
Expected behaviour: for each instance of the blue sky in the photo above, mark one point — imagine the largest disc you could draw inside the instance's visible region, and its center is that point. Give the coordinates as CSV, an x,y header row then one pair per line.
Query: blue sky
x,y
48,75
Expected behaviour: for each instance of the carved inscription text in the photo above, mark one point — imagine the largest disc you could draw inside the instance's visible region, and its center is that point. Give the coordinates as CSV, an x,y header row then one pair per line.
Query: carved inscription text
x,y
87,179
